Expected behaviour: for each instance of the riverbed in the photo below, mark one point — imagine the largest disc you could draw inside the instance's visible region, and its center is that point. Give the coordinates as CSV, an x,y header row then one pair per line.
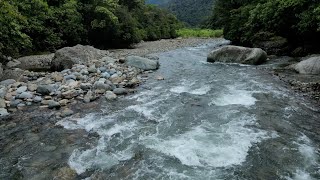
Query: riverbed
x,y
198,121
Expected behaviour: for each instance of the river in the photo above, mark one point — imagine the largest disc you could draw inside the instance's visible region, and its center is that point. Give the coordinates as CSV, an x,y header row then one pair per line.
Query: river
x,y
203,121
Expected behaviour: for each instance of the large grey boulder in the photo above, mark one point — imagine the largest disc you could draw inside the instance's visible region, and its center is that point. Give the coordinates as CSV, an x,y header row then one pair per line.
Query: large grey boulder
x,y
142,63
66,57
237,54
309,66
35,62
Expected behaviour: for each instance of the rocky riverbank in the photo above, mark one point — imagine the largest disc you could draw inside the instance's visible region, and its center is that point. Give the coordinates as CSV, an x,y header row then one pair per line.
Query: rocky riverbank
x,y
33,146
304,84
81,74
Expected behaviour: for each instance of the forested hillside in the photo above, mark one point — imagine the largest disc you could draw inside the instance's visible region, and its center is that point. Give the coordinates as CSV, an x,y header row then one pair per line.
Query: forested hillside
x,y
192,12
45,25
249,21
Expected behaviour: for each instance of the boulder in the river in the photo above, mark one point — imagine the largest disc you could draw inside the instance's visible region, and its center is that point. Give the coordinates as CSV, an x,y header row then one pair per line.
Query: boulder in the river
x,y
309,66
142,63
66,57
237,54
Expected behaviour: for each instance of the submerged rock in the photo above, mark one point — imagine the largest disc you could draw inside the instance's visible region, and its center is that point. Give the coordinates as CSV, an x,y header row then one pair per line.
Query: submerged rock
x,y
237,54
309,66
142,63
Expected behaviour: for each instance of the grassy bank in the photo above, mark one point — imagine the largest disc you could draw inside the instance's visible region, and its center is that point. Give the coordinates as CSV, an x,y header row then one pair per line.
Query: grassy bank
x,y
208,33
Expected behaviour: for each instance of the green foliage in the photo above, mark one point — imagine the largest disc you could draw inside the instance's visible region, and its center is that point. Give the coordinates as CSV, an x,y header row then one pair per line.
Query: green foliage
x,y
185,32
296,20
45,25
13,39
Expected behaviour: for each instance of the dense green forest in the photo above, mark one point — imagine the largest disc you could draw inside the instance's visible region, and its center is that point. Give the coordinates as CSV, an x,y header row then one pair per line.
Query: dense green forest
x,y
45,25
191,12
246,22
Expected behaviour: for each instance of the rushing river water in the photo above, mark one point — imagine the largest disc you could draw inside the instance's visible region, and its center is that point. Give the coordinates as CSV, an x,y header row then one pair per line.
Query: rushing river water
x,y
204,121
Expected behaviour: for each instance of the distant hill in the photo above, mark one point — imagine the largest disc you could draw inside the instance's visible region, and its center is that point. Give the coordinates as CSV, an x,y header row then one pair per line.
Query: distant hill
x,y
192,12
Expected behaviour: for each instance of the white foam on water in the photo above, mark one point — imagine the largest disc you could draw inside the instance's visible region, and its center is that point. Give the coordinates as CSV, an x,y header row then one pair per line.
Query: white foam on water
x,y
309,154
300,175
201,147
97,157
89,122
186,87
307,150
235,97
144,96
201,91
146,109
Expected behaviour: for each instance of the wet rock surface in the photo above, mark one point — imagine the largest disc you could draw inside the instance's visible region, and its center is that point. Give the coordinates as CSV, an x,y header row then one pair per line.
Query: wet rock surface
x,y
237,54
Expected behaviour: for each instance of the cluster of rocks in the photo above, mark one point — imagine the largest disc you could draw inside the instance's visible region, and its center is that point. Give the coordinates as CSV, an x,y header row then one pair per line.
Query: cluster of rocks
x,y
86,74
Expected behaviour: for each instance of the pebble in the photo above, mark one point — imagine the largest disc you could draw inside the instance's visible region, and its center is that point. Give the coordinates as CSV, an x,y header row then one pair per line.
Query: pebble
x,y
44,89
21,89
53,104
63,102
105,75
7,82
2,103
69,94
110,95
92,69
120,91
85,86
32,87
14,103
71,76
37,99
66,112
25,95
89,97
